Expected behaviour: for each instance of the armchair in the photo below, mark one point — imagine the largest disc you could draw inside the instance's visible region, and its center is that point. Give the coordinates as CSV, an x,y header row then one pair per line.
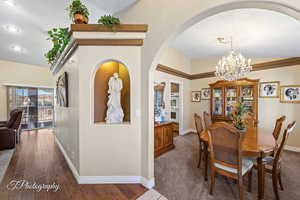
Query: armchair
x,y
5,123
7,138
9,133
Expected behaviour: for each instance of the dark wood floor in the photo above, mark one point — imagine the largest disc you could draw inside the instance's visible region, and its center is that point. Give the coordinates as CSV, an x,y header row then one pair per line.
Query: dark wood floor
x,y
38,159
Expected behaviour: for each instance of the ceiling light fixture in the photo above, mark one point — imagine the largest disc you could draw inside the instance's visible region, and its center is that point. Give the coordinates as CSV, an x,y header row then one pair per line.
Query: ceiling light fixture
x,y
234,66
17,48
9,3
12,28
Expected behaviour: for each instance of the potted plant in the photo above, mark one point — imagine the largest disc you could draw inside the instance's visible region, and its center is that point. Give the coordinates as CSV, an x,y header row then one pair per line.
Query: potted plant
x,y
60,39
240,116
78,12
109,21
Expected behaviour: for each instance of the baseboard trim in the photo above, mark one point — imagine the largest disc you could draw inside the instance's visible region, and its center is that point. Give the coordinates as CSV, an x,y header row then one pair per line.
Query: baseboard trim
x,y
148,183
69,162
183,132
116,180
104,179
290,148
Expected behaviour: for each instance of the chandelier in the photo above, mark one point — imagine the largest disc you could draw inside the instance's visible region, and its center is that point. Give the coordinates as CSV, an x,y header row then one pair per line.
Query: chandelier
x,y
233,66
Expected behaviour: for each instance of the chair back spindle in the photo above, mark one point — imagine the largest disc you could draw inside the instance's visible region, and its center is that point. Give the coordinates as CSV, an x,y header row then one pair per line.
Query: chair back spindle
x,y
198,124
278,126
278,153
207,119
225,145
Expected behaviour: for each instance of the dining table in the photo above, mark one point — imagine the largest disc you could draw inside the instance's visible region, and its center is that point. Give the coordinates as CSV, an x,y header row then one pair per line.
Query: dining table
x,y
257,143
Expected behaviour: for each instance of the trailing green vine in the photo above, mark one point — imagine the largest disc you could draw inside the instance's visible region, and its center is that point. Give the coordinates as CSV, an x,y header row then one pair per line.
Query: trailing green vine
x,y
60,39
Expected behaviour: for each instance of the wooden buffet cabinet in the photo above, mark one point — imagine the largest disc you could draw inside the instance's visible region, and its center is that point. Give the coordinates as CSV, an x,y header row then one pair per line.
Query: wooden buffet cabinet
x,y
163,138
224,94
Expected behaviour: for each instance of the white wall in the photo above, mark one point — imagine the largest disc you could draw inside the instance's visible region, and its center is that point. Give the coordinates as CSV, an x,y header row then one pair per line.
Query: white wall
x,y
109,149
176,60
21,74
67,118
269,109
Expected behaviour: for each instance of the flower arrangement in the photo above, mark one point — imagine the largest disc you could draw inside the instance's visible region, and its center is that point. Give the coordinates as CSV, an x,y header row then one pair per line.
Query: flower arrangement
x,y
240,116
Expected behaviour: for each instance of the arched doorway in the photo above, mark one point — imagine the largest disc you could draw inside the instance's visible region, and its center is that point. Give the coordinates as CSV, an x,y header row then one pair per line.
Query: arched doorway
x,y
274,6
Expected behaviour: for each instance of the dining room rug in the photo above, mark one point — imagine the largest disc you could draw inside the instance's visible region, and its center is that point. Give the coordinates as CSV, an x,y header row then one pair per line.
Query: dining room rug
x,y
178,178
5,156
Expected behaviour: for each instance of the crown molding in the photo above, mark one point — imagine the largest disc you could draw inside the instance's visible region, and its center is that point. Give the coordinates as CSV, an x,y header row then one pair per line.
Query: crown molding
x,y
276,64
255,67
169,70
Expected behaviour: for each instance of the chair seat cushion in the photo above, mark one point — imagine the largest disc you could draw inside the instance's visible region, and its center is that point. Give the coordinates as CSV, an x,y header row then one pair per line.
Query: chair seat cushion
x,y
247,165
266,160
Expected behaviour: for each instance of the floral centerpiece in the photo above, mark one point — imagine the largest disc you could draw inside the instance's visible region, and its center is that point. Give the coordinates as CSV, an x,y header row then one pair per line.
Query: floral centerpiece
x,y
240,116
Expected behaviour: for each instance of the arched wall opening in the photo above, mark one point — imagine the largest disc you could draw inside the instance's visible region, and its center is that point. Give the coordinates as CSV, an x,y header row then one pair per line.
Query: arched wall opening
x,y
103,74
268,5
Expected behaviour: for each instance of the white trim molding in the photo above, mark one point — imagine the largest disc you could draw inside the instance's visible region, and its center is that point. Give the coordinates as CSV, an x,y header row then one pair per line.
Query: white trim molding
x,y
183,132
104,179
26,85
290,148
148,183
116,180
69,162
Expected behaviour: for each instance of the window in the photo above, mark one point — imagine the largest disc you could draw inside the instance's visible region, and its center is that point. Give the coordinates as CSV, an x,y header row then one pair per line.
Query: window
x,y
37,104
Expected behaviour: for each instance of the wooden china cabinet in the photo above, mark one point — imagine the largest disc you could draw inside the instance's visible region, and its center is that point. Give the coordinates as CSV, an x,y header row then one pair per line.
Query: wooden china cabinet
x,y
225,94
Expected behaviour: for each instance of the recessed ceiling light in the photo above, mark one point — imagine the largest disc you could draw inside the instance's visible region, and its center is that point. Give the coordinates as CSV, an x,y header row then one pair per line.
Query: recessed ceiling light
x,y
9,3
12,28
17,48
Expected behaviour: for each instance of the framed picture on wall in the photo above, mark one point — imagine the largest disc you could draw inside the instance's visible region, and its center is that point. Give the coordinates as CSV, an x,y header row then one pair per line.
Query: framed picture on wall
x,y
62,90
290,94
269,89
196,96
205,94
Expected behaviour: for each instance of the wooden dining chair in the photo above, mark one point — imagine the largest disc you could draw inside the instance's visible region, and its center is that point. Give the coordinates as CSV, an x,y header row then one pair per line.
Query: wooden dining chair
x,y
225,143
202,144
273,164
207,119
278,126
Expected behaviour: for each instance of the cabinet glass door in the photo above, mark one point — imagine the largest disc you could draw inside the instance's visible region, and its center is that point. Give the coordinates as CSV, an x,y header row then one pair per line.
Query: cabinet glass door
x,y
247,97
217,101
231,100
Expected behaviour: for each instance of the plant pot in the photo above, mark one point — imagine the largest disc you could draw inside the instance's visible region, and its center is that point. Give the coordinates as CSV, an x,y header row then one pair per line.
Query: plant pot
x,y
80,19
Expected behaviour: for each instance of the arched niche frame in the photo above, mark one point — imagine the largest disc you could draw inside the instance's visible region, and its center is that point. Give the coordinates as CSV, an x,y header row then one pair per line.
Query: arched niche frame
x,y
103,72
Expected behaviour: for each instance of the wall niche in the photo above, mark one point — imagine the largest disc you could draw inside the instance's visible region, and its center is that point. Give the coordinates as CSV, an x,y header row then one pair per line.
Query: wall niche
x,y
103,74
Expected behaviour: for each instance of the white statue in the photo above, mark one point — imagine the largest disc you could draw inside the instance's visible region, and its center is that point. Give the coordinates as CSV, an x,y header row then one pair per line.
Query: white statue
x,y
114,112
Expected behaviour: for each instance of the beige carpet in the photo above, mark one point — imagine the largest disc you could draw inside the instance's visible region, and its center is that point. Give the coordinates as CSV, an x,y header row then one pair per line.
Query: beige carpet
x,y
5,156
178,178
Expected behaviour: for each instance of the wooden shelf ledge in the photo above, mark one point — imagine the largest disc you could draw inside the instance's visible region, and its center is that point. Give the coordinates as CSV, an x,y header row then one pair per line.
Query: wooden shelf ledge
x,y
101,28
90,35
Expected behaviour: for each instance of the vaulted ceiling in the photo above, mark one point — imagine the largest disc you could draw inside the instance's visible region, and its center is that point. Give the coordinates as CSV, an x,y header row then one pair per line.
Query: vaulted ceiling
x,y
256,33
24,25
